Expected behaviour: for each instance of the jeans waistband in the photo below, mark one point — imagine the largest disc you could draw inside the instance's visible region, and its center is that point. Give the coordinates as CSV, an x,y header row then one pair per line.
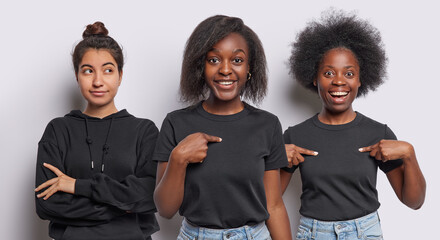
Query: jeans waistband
x,y
201,231
340,226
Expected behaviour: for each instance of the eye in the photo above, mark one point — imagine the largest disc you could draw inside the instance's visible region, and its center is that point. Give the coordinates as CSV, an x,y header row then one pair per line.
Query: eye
x,y
213,60
328,74
349,74
108,70
87,71
237,60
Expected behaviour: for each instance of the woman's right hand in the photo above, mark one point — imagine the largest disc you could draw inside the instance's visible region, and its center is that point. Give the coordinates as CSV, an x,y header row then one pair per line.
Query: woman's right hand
x,y
294,154
193,148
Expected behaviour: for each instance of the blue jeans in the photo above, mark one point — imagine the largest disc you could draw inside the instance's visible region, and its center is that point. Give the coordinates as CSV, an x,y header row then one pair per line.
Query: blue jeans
x,y
365,228
255,232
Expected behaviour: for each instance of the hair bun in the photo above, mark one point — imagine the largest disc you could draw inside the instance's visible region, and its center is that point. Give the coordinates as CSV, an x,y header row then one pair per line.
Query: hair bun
x,y
96,29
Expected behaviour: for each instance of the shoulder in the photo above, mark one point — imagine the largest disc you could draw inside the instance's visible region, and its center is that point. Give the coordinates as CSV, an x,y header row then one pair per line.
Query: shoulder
x,y
301,127
261,114
371,126
182,113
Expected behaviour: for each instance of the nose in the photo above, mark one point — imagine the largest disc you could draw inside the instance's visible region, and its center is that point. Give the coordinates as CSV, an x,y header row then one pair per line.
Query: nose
x,y
225,68
339,80
97,80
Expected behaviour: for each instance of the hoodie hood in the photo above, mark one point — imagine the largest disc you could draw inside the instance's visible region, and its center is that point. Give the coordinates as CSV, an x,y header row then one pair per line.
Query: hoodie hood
x,y
105,148
78,114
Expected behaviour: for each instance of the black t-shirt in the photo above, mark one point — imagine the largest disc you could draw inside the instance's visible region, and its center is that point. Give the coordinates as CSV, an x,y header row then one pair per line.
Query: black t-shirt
x,y
227,189
340,182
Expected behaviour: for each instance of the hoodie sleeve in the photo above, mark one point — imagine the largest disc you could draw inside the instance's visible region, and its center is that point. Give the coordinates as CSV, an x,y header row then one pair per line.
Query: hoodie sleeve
x,y
135,192
65,208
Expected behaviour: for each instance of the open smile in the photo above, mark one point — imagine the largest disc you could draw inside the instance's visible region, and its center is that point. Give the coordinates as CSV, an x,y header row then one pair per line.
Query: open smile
x,y
339,96
225,84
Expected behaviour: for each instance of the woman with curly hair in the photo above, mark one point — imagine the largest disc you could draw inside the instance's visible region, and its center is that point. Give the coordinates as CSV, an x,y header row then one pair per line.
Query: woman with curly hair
x,y
95,177
340,58
219,159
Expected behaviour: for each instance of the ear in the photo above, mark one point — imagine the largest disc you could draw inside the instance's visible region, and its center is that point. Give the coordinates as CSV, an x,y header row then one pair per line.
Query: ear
x,y
314,83
120,77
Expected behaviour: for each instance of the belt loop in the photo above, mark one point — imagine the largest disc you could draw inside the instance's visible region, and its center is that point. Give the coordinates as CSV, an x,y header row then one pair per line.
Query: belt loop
x,y
248,232
358,228
315,223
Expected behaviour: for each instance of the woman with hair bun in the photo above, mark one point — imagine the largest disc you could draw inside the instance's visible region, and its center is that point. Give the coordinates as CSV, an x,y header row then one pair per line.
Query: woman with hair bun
x,y
220,157
95,178
339,150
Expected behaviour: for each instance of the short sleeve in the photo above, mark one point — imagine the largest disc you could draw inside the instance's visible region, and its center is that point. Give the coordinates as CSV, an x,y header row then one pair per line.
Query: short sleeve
x,y
288,140
166,141
389,165
277,157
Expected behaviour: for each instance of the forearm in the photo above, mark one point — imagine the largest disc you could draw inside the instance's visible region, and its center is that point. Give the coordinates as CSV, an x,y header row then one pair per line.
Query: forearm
x,y
284,180
169,192
414,185
278,223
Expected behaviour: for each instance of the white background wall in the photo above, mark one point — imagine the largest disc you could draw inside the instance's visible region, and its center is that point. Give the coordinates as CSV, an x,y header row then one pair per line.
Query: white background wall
x,y
38,84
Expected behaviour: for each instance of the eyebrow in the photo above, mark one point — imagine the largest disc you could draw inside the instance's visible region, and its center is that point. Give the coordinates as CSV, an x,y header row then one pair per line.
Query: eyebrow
x,y
346,67
90,66
235,50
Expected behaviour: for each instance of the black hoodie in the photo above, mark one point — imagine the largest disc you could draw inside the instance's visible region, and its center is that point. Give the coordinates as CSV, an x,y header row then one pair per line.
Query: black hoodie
x,y
110,159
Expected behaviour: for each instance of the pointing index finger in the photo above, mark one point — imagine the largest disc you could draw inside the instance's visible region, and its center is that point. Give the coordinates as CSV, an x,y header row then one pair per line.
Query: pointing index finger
x,y
307,151
367,149
211,138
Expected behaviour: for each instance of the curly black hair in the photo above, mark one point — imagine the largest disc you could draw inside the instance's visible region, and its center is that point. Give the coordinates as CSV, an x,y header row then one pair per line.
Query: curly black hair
x,y
213,29
338,29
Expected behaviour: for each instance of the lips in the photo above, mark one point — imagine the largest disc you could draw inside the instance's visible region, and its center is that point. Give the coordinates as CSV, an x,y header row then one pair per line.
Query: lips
x,y
225,84
339,97
98,93
338,94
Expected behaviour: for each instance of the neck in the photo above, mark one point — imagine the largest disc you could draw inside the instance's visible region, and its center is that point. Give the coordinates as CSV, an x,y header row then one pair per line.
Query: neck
x,y
100,111
219,107
332,118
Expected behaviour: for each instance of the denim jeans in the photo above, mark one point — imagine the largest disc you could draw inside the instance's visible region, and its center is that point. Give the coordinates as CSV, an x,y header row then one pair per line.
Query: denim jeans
x,y
365,228
255,232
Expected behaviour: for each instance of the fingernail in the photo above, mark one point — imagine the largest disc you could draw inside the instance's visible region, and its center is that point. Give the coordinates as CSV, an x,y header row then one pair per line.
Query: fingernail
x,y
221,139
361,149
44,164
315,153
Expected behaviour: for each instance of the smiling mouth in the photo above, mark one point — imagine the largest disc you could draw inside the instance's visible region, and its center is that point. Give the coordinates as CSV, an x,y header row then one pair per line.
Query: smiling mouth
x,y
338,94
225,83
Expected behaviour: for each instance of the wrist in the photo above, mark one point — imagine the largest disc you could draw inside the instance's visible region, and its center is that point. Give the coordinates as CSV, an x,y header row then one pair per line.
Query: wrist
x,y
176,158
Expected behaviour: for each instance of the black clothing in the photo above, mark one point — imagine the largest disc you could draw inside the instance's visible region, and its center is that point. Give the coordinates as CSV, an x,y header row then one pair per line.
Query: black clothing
x,y
227,189
110,159
340,182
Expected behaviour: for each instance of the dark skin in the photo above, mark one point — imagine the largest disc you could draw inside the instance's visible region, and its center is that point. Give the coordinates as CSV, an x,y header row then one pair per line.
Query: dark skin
x,y
226,73
337,83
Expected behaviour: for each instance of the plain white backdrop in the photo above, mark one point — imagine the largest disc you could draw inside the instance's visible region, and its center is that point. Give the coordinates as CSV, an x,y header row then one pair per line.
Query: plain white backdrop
x,y
38,84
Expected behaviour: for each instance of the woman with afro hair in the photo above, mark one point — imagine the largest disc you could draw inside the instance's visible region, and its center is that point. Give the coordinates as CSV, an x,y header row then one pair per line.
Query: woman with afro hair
x,y
339,150
219,158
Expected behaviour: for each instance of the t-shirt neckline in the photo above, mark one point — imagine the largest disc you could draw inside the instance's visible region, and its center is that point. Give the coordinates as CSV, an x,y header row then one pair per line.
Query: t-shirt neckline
x,y
337,127
223,118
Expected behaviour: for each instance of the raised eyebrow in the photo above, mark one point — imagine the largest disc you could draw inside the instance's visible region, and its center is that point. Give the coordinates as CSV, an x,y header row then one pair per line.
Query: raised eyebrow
x,y
86,65
108,63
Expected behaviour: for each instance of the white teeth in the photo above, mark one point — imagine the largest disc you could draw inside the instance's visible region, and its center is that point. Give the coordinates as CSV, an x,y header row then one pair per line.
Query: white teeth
x,y
338,93
225,83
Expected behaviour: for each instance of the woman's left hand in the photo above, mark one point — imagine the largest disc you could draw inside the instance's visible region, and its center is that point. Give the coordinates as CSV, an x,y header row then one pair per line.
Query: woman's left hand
x,y
62,183
386,150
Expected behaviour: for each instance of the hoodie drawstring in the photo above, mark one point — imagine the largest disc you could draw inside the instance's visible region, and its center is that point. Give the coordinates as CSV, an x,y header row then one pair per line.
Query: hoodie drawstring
x,y
105,147
89,142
